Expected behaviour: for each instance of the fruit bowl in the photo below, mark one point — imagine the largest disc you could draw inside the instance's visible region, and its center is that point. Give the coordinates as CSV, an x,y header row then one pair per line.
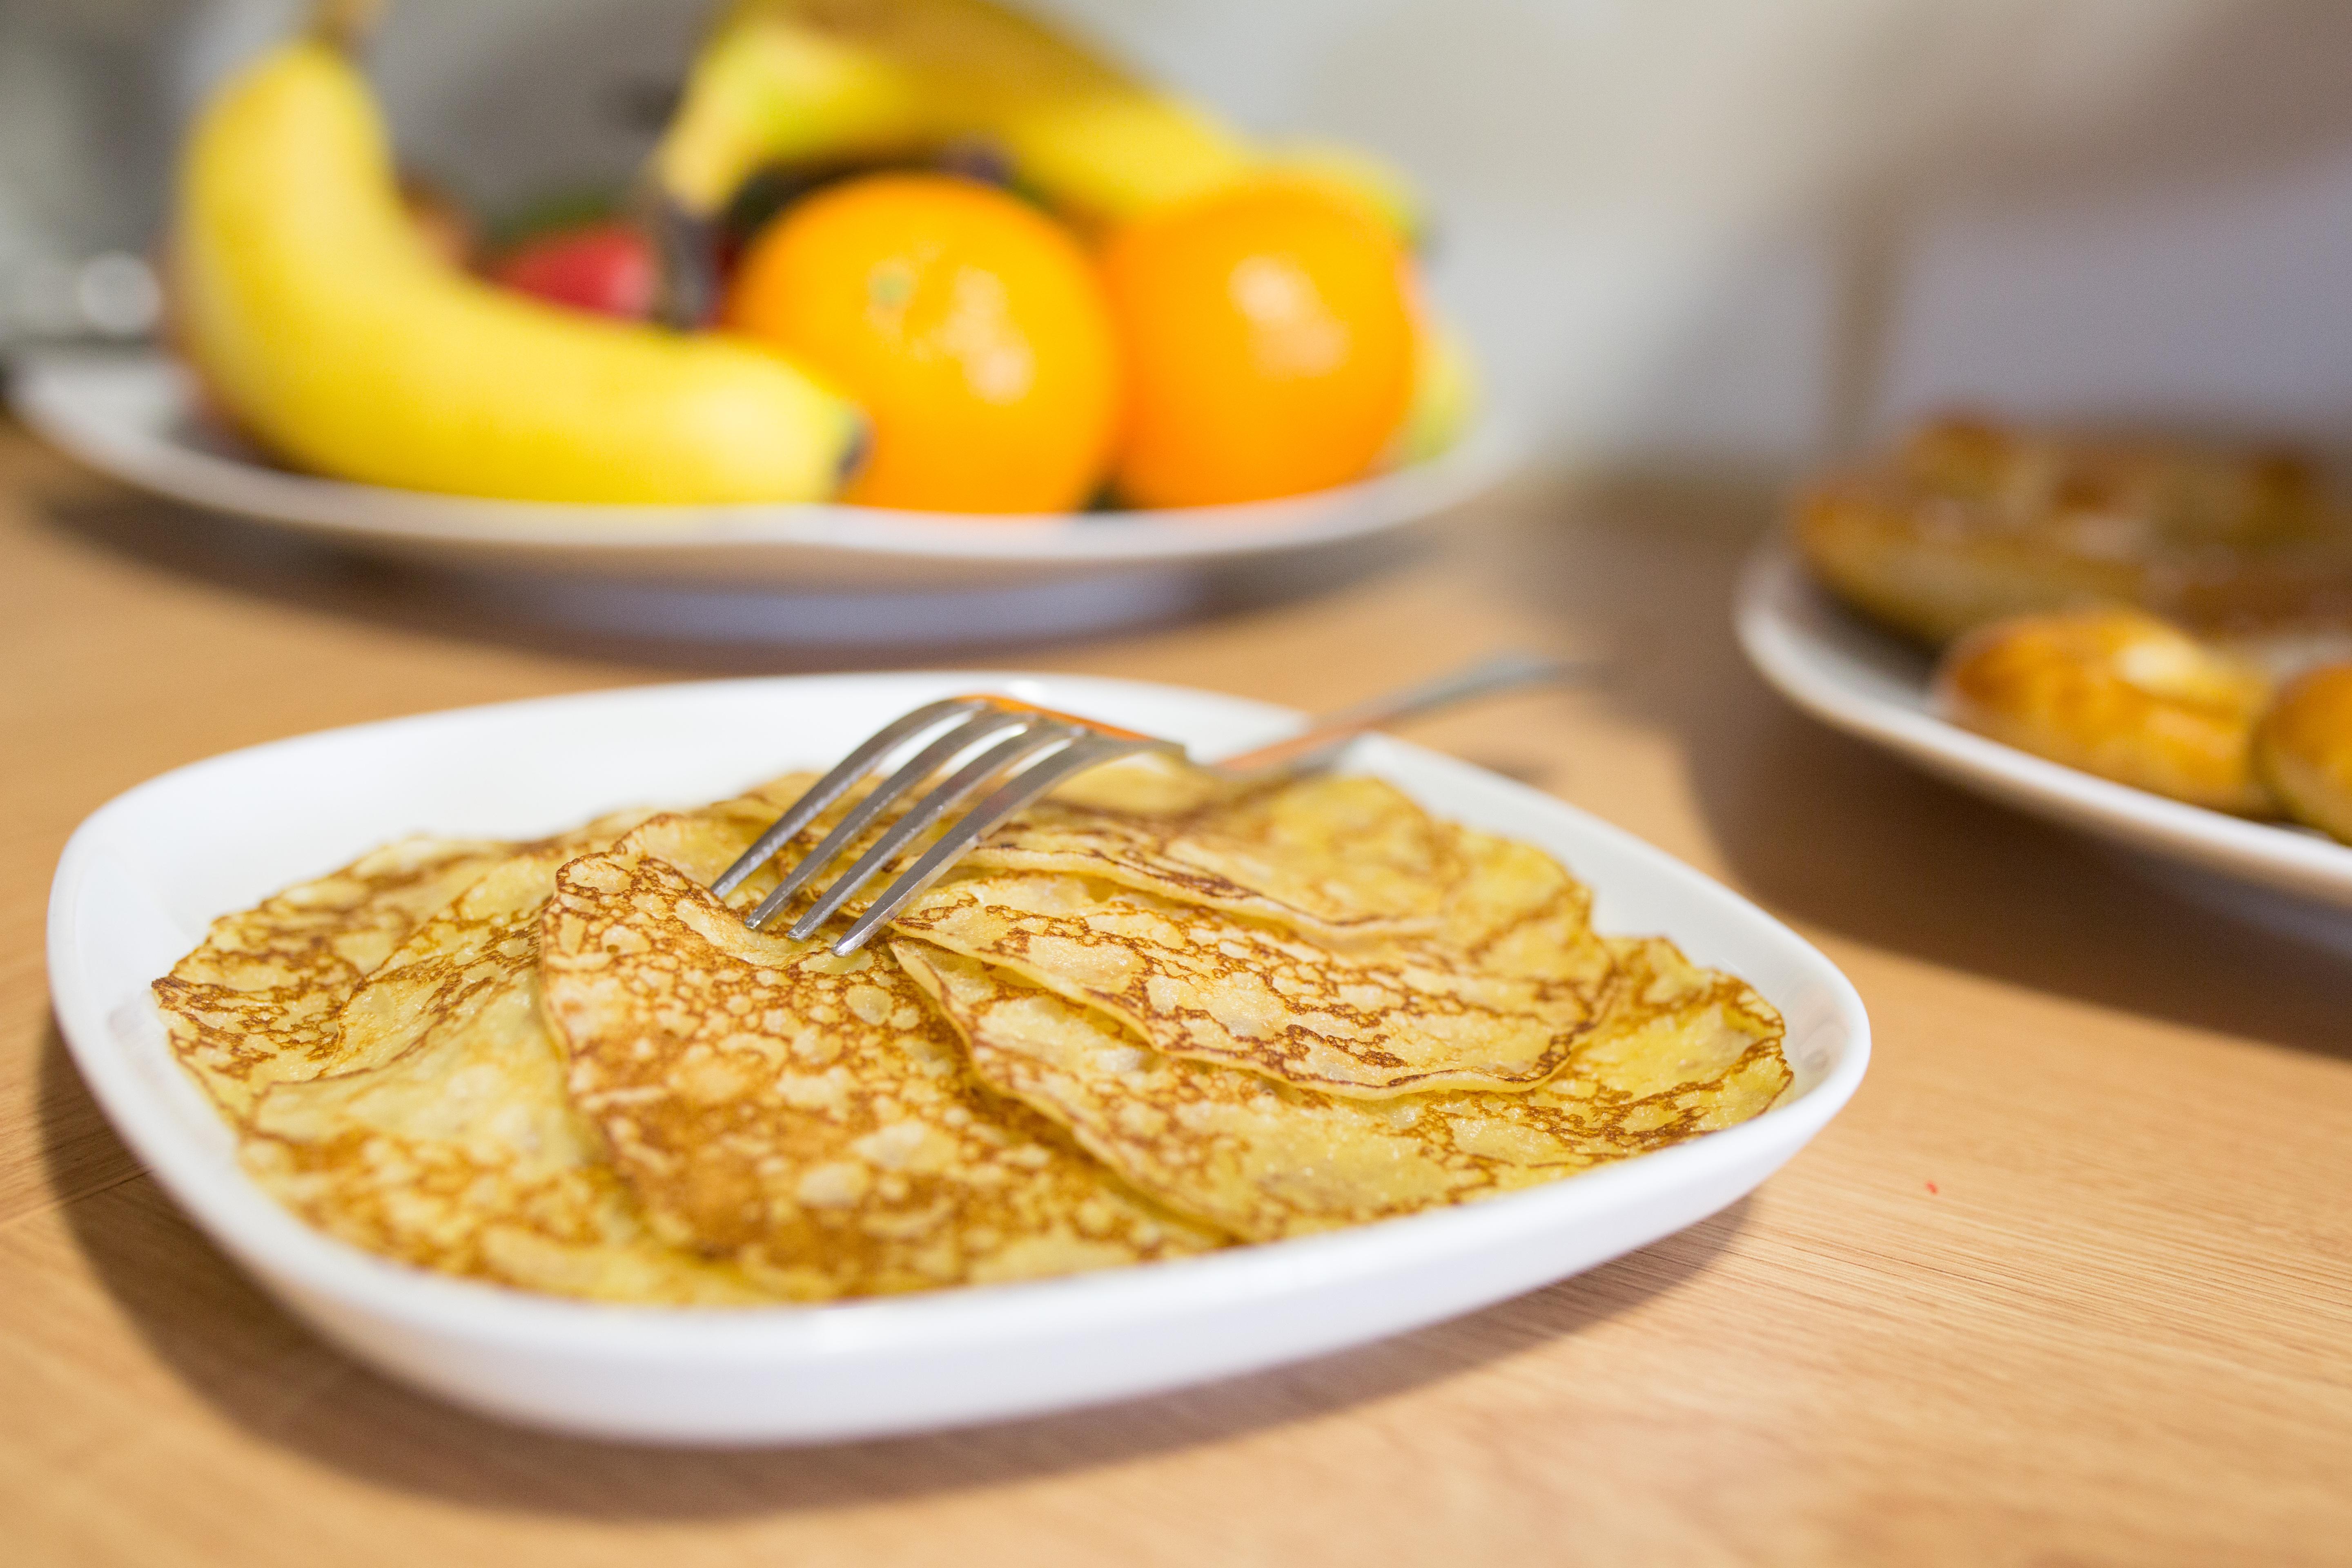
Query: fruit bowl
x,y
133,415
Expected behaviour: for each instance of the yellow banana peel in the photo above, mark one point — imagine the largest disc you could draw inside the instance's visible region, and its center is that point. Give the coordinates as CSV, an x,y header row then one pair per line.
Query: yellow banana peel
x,y
785,80
1445,394
312,308
1106,156
765,93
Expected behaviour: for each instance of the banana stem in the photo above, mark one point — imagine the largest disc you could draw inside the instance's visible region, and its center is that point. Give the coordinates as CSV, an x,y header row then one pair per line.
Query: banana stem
x,y
345,24
686,294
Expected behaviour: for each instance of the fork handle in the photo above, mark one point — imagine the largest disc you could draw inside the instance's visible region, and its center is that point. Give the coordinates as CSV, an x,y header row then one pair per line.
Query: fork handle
x,y
1324,738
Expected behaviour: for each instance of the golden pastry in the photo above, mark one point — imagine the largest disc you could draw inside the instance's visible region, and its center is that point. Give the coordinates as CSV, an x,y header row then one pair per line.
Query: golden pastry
x,y
1968,523
1140,1026
2303,749
1679,1050
2118,693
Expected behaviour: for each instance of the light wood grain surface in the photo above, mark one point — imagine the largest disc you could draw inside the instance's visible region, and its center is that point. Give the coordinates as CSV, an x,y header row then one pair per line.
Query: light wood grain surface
x,y
2070,1282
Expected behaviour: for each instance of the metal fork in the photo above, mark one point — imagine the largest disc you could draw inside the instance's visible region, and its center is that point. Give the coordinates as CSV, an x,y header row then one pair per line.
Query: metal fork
x,y
1025,752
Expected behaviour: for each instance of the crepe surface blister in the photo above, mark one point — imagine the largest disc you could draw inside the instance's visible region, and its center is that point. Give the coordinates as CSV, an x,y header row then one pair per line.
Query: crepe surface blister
x,y
448,1140
1493,996
810,1117
1681,1050
1162,1013
259,1000
1338,856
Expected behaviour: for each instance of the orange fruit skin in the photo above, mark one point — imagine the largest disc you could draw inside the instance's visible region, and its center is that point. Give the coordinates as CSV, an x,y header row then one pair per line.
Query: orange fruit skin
x,y
970,327
1268,339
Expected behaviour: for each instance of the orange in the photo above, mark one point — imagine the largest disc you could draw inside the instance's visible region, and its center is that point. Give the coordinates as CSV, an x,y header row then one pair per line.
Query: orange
x,y
1269,340
970,327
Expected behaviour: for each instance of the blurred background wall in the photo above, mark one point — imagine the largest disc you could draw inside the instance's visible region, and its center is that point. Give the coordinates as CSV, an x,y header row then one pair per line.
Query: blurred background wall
x,y
1697,236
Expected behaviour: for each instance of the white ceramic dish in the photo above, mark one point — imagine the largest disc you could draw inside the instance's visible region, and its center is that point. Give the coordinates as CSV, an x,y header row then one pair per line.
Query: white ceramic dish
x,y
131,414
1859,680
144,874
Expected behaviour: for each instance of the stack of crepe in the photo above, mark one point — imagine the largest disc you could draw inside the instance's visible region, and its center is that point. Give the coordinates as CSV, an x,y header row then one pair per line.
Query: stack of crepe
x,y
1138,1023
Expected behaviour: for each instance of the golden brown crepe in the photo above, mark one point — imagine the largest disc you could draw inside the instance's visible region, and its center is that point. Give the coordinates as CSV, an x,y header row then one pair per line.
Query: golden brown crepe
x,y
1155,1014
1682,1050
807,1117
1333,856
256,1003
448,1139
1492,997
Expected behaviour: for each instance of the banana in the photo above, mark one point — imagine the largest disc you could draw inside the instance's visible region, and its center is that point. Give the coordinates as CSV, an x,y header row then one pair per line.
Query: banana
x,y
1445,392
787,80
310,307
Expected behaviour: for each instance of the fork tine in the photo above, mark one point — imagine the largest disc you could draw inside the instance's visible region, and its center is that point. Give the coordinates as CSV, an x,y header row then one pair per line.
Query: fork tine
x,y
990,765
924,764
978,823
835,785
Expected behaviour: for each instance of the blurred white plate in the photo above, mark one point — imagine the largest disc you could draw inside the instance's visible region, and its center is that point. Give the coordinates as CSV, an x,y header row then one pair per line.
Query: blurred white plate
x,y
144,875
1857,678
132,415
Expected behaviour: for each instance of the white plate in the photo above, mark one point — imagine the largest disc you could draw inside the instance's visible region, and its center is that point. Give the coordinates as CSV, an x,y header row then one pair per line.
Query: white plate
x,y
142,876
1857,678
131,414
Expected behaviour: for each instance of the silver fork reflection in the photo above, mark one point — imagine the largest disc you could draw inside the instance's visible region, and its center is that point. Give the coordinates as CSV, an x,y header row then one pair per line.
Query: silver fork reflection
x,y
1024,750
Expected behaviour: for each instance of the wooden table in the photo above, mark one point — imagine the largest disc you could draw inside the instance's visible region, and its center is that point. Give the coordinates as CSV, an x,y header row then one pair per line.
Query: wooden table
x,y
2070,1282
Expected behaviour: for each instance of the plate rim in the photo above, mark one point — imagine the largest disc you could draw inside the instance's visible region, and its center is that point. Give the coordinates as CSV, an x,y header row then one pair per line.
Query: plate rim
x,y
43,385
275,1245
1771,633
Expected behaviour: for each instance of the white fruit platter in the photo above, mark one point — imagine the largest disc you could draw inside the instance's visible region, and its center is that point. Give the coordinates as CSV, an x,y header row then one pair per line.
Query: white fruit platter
x,y
1868,684
144,875
133,415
